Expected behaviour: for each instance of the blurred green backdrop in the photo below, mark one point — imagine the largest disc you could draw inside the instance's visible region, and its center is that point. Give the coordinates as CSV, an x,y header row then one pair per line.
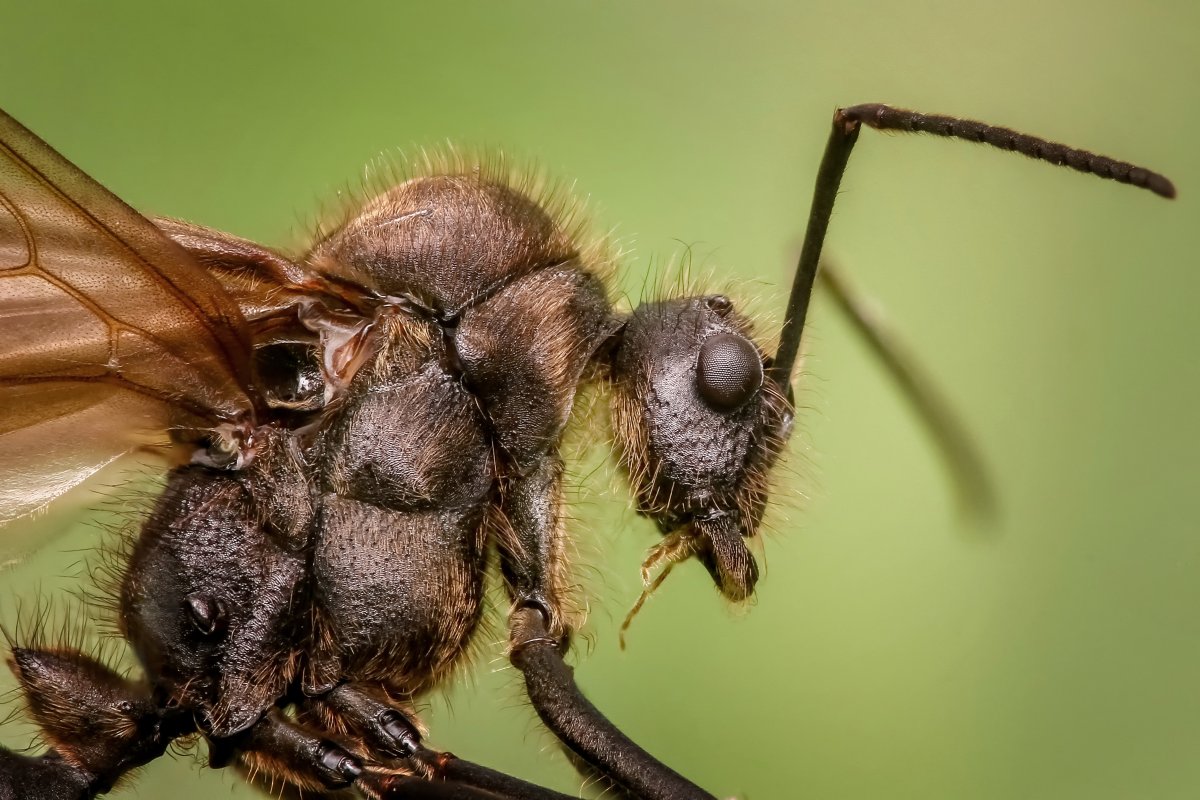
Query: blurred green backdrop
x,y
887,655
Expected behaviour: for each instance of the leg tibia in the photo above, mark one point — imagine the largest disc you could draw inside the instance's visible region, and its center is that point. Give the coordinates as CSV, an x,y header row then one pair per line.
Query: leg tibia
x,y
276,751
383,729
396,763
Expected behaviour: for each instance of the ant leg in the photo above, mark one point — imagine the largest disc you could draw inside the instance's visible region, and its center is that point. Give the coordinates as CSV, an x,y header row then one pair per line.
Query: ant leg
x,y
539,639
532,551
403,787
452,768
551,687
276,748
846,125
349,707
391,732
98,724
962,459
532,566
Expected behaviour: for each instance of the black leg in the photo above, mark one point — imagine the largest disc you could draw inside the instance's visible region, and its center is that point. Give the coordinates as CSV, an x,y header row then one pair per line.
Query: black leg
x,y
276,749
405,787
391,737
551,687
385,729
452,768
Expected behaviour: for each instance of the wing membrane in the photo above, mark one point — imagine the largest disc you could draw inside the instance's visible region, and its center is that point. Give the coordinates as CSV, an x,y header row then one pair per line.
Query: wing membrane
x,y
110,332
267,287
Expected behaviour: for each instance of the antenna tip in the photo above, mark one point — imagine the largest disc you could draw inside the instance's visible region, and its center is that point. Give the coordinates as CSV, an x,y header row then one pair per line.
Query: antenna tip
x,y
1161,186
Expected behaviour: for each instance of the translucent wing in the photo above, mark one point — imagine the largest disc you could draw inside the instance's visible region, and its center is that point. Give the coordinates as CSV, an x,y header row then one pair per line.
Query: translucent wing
x,y
267,287
110,332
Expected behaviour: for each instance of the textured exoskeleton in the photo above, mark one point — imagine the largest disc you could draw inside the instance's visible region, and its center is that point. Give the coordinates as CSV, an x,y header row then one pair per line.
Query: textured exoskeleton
x,y
353,431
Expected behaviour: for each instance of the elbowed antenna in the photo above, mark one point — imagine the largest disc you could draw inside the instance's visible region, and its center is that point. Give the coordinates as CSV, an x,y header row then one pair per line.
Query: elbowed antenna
x,y
846,125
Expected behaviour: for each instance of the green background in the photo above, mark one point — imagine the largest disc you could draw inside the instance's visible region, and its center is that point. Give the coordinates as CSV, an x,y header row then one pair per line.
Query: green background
x,y
891,651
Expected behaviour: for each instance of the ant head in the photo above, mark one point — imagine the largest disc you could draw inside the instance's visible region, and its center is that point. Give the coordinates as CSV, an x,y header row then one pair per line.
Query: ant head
x,y
699,426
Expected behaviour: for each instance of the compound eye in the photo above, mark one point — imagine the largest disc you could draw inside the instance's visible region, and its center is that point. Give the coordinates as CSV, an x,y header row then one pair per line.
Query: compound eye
x,y
729,372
